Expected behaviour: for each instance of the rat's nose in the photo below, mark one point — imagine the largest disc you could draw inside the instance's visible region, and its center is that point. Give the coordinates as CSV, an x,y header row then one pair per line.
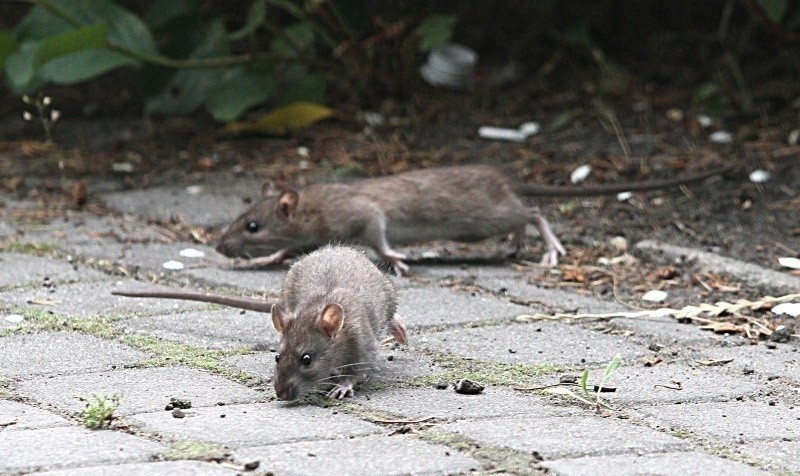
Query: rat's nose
x,y
285,392
222,248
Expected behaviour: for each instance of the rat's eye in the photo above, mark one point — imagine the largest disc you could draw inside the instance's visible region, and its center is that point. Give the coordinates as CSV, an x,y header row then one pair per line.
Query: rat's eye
x,y
277,358
306,359
252,226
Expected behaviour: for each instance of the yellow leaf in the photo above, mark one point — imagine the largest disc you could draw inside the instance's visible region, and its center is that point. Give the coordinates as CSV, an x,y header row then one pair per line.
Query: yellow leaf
x,y
280,121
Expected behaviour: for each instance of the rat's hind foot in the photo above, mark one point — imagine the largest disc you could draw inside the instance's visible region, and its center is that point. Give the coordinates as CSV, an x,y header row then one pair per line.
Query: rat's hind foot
x,y
554,246
398,330
262,261
341,390
396,259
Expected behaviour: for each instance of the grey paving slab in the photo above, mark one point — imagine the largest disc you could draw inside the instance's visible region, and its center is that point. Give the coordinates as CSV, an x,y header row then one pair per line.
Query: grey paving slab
x,y
467,271
777,454
171,468
142,390
733,421
51,353
441,306
261,364
18,416
671,333
255,424
93,299
749,273
636,384
64,447
782,361
547,299
207,208
224,329
29,270
153,256
559,437
448,405
368,456
539,343
663,464
268,281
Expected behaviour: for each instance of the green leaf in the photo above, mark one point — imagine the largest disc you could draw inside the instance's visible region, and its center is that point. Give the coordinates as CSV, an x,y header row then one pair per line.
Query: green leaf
x,y
39,23
567,393
435,30
300,37
19,68
309,87
65,43
162,12
775,9
189,88
83,65
582,383
280,121
230,98
255,17
610,370
579,35
8,44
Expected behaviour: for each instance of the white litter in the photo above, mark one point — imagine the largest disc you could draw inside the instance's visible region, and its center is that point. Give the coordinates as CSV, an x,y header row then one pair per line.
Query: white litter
x,y
174,265
624,196
192,253
580,174
500,133
530,128
302,151
704,120
654,296
760,176
450,65
14,318
619,242
789,308
195,189
373,119
721,137
789,262
122,167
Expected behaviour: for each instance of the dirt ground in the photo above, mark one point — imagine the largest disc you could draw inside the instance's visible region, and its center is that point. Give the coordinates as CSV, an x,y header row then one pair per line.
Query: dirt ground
x,y
647,132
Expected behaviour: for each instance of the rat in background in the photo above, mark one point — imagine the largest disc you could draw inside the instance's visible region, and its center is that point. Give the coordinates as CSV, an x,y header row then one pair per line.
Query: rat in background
x,y
459,203
335,306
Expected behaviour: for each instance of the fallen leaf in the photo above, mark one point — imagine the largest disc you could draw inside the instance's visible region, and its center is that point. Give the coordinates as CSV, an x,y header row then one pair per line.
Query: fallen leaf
x,y
280,121
722,327
43,302
663,273
714,362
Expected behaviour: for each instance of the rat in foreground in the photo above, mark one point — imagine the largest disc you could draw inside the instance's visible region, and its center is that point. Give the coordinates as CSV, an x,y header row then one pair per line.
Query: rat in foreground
x,y
460,203
336,304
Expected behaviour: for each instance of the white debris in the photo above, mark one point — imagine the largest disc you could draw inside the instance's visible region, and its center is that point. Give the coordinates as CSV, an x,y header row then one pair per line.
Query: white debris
x,y
302,151
431,254
624,196
619,243
794,137
501,133
654,295
191,253
530,128
789,262
721,137
174,265
450,65
373,119
14,318
760,176
304,164
122,167
195,189
704,120
580,174
675,115
789,308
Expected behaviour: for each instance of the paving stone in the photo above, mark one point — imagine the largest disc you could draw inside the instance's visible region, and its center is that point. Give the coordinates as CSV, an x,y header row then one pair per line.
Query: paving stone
x,y
261,364
663,464
371,455
64,447
171,468
538,343
548,300
559,437
448,405
669,332
733,421
749,273
94,299
256,424
269,281
467,271
783,454
225,329
637,384
51,353
441,306
208,208
782,361
153,256
29,270
142,390
26,417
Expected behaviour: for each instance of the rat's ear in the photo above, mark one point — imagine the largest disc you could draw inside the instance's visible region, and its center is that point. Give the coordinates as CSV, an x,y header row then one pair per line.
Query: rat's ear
x,y
269,189
279,318
331,320
287,203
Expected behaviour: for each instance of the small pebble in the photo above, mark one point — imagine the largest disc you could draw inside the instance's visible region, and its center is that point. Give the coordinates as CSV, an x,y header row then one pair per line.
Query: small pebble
x,y
442,385
655,295
580,174
748,371
721,137
781,334
252,466
468,387
178,413
568,379
759,176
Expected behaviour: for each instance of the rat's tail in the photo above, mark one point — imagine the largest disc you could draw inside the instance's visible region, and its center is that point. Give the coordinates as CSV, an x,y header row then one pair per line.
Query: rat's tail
x,y
249,304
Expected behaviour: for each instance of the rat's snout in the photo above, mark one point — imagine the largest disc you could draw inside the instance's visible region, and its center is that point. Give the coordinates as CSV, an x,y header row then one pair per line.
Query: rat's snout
x,y
285,389
222,248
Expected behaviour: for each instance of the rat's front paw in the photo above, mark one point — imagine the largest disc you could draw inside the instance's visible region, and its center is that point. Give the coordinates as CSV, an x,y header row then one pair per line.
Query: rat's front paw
x,y
341,390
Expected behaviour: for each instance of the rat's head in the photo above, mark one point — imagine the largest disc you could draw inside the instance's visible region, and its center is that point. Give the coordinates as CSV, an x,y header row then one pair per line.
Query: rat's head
x,y
307,358
266,227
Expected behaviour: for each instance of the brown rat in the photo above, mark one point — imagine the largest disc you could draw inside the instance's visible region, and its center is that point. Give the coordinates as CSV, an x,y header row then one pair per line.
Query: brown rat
x,y
460,203
335,306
